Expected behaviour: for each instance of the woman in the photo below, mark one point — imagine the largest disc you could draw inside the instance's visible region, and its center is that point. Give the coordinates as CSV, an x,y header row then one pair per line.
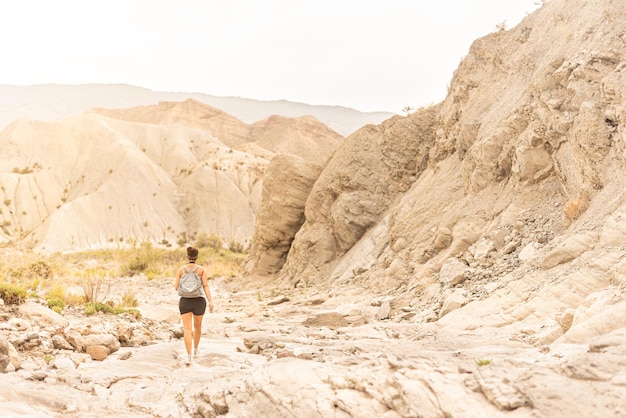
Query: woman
x,y
192,309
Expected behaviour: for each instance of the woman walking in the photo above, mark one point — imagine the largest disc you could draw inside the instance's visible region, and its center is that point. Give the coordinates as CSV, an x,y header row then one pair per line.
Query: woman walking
x,y
192,304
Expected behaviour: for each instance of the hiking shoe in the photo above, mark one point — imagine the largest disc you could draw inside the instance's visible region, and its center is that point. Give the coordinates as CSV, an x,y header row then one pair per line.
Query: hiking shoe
x,y
188,361
195,352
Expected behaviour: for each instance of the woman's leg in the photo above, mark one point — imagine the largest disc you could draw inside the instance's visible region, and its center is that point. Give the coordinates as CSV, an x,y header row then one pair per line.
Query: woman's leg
x,y
187,330
197,329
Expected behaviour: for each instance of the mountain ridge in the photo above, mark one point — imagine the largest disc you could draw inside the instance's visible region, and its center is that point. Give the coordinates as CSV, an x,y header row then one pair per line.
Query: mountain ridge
x,y
53,101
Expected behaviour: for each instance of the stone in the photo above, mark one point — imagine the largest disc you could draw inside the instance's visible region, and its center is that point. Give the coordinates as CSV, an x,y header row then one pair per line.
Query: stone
x,y
97,352
453,272
61,343
4,354
42,315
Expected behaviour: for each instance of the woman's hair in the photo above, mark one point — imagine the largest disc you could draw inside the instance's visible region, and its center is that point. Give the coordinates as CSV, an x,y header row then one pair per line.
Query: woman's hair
x,y
192,253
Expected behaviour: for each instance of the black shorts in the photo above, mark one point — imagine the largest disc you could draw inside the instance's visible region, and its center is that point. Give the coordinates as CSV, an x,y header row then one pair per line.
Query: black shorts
x,y
195,305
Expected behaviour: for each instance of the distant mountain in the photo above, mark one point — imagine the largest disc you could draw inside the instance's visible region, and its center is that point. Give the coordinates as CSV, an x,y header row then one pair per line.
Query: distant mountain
x,y
304,136
49,102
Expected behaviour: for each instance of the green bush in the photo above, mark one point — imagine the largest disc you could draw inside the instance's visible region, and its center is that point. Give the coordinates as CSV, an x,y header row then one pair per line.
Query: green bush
x,y
12,294
55,303
91,308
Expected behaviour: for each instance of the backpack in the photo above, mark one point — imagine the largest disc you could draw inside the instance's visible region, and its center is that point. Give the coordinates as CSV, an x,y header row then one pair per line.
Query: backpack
x,y
190,284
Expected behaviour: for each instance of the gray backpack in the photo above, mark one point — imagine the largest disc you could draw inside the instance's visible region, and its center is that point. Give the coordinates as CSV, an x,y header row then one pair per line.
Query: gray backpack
x,y
190,285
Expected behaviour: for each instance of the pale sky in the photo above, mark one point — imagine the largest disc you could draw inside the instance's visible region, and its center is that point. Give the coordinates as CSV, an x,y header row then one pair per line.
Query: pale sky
x,y
366,54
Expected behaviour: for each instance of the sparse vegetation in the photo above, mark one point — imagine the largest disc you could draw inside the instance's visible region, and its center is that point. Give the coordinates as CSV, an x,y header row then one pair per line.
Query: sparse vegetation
x,y
92,308
36,271
96,286
25,170
482,362
211,241
129,300
236,247
12,294
62,280
56,304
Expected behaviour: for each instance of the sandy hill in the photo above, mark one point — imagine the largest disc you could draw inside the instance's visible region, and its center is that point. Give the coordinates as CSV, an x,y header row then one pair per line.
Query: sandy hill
x,y
162,173
304,136
192,113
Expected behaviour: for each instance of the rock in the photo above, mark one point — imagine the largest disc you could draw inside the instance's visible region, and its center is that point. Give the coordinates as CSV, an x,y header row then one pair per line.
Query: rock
x,y
331,320
278,300
4,354
109,341
384,312
453,272
61,343
529,252
453,301
63,363
98,352
42,315
568,250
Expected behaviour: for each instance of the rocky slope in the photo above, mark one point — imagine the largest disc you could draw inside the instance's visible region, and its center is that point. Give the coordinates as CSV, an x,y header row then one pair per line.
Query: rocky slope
x,y
496,215
163,173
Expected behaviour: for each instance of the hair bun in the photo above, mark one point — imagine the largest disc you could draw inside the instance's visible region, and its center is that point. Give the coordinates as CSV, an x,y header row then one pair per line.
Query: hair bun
x,y
192,253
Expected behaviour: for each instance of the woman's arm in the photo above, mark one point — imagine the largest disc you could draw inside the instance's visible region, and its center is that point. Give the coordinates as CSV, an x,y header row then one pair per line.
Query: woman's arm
x,y
207,292
179,274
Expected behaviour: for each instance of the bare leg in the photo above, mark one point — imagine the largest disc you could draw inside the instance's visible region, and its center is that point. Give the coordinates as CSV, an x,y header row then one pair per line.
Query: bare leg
x,y
187,331
197,329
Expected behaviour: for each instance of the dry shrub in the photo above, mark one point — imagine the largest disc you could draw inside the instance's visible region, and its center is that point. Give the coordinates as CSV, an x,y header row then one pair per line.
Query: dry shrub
x,y
575,207
96,286
74,299
12,294
129,299
222,263
23,271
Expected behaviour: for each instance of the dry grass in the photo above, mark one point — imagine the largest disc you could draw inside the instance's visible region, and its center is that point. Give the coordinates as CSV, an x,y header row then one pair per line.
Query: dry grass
x,y
87,277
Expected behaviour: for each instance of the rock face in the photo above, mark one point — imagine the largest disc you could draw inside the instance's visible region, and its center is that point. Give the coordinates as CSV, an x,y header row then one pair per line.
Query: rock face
x,y
286,186
498,213
369,171
514,183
